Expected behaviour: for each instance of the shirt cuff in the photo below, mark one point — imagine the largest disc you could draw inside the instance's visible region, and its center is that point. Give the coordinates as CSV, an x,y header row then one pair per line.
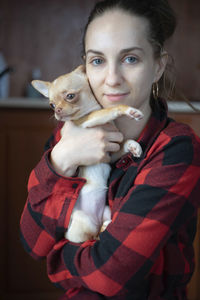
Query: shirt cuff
x,y
45,181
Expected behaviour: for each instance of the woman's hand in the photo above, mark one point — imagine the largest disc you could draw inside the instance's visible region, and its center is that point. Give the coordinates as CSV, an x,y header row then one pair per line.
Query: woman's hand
x,y
79,146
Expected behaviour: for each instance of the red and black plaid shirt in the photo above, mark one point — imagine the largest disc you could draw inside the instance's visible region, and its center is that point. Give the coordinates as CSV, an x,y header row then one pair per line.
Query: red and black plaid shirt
x,y
146,252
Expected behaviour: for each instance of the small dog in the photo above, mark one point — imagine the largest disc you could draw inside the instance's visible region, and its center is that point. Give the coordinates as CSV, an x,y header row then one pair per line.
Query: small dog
x,y
71,98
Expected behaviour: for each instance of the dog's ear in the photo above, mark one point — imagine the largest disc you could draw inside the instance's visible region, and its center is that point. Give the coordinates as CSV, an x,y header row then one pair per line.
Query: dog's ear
x,y
42,86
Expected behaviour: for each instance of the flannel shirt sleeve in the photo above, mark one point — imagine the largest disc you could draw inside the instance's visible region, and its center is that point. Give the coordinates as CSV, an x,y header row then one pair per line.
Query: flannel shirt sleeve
x,y
161,200
47,211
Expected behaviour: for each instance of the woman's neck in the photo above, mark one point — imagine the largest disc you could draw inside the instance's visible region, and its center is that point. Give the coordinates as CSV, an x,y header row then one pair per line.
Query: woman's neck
x,y
130,128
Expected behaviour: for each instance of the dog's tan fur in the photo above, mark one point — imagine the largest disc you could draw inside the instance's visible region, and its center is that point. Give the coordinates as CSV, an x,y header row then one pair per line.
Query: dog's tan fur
x,y
84,111
84,107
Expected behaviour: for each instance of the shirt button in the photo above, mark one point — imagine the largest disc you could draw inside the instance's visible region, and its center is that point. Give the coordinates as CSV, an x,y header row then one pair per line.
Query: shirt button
x,y
74,185
125,161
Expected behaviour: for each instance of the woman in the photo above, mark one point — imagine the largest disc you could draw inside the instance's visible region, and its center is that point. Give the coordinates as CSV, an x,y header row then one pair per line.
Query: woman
x,y
146,251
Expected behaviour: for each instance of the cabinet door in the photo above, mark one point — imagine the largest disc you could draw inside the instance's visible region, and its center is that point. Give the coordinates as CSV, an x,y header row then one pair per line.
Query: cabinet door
x,y
194,286
3,202
23,135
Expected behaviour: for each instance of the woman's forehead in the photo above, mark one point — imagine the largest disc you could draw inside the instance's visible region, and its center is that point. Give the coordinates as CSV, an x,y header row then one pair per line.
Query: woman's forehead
x,y
117,27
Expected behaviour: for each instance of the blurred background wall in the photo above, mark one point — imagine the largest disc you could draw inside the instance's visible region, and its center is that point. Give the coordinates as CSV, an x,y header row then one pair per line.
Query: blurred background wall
x,y
41,34
47,35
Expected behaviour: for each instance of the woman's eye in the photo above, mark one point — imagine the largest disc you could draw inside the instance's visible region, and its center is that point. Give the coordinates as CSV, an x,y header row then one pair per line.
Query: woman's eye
x,y
52,105
131,59
97,61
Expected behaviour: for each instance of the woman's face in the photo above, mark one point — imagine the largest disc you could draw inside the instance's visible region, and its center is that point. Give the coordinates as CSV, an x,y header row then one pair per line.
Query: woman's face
x,y
120,64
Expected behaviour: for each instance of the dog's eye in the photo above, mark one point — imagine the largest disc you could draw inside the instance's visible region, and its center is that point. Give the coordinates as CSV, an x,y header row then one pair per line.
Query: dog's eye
x,y
52,105
70,96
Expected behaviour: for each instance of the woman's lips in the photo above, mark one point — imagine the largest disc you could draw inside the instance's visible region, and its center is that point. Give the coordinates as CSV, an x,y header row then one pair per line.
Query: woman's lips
x,y
116,97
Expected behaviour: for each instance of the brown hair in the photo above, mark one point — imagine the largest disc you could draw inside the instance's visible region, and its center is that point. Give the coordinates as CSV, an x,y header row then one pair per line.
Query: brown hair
x,y
162,24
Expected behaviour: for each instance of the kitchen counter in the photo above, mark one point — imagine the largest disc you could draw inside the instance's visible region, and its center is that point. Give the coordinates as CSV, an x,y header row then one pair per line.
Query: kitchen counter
x,y
42,103
29,103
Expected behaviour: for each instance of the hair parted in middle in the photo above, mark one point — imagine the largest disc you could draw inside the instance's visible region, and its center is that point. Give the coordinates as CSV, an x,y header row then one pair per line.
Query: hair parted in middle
x,y
162,24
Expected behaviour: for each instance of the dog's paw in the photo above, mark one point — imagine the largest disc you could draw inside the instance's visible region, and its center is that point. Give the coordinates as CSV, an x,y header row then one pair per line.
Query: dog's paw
x,y
103,228
82,228
105,224
133,147
134,113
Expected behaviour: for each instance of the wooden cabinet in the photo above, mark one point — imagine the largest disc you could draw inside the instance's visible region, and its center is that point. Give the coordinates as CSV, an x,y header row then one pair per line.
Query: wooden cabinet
x,y
194,286
23,133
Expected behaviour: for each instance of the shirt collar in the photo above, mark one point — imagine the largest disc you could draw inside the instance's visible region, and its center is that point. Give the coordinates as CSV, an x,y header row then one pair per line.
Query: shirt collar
x,y
155,125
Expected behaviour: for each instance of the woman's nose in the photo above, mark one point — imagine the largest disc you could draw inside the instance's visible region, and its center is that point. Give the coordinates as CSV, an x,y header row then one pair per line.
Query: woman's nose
x,y
113,76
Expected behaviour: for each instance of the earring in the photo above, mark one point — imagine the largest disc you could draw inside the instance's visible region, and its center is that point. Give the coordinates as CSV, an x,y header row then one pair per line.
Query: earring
x,y
155,90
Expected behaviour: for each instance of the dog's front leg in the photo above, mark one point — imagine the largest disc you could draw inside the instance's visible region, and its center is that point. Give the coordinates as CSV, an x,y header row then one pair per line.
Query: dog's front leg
x,y
106,115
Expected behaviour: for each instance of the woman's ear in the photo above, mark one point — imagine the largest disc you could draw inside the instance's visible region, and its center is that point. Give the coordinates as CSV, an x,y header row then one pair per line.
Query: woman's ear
x,y
161,65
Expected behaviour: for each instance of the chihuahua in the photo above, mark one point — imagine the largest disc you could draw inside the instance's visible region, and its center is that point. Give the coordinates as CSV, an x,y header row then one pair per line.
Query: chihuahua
x,y
71,98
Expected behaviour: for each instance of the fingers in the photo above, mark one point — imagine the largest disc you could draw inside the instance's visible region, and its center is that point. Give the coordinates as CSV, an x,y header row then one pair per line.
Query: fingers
x,y
112,133
109,127
106,159
112,147
97,143
109,140
114,136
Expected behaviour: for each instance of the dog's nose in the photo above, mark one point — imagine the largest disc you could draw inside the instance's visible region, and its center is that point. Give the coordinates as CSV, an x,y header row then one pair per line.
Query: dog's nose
x,y
58,110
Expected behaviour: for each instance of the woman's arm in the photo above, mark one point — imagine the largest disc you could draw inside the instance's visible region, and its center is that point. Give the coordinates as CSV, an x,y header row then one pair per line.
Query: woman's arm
x,y
51,192
83,147
162,200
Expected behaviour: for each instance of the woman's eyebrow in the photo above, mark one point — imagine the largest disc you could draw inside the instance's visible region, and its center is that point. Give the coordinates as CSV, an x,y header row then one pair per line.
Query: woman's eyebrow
x,y
94,52
122,51
131,49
